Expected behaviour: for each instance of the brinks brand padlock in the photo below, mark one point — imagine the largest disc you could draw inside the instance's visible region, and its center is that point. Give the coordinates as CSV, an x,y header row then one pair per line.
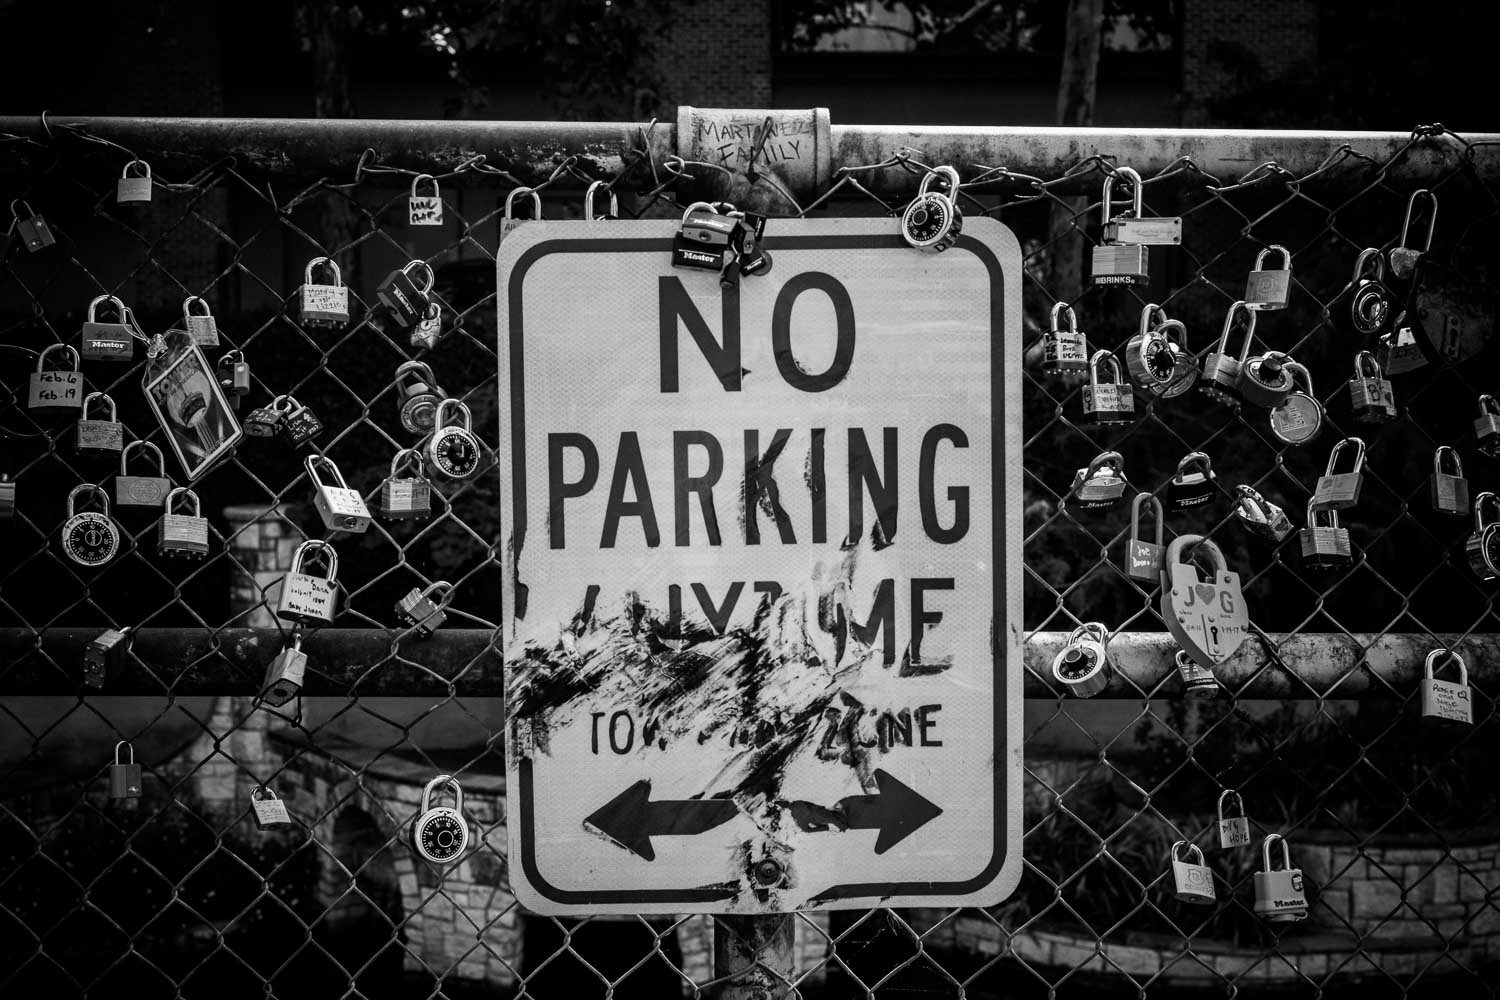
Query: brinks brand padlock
x,y
103,654
298,424
511,220
1205,614
104,339
134,185
1298,418
1265,379
1197,681
1404,257
91,537
424,610
1114,262
1221,370
1370,301
440,834
1082,666
1450,490
1371,395
1487,426
1325,545
1482,550
1234,830
268,810
409,496
702,240
323,305
7,496
1269,288
182,530
1150,357
198,320
1064,351
1194,484
1279,895
32,228
1261,517
1192,880
284,674
125,775
1340,490
142,492
55,391
609,214
1101,484
305,598
1397,350
429,329
933,220
424,209
1446,701
341,508
1109,402
405,293
1134,226
419,396
1144,560
453,450
233,373
93,436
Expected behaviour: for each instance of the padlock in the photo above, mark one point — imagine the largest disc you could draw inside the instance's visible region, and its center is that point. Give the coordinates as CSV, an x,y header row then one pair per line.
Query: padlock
x,y
98,437
265,421
298,424
124,776
1133,226
1370,393
7,496
1082,666
1447,701
268,810
1340,490
179,534
89,538
1144,560
1370,301
429,330
134,189
1101,484
1404,257
424,209
1113,262
1206,615
1107,403
201,326
103,654
1234,831
422,614
1185,374
323,305
308,599
342,509
1483,547
702,239
1452,309
1261,517
142,491
1397,351
1279,895
510,221
440,834
233,373
1064,352
1197,681
54,390
1194,484
103,340
1150,357
406,497
1265,380
33,229
284,674
611,214
1450,490
933,220
1487,426
1325,546
1269,288
1192,880
1298,418
747,253
453,450
406,292
1221,370
419,396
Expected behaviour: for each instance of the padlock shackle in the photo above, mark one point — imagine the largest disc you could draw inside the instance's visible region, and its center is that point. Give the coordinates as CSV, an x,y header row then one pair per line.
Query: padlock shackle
x,y
232,357
82,488
41,360
443,780
945,173
1149,312
698,206
187,494
99,395
1449,656
1364,363
1194,853
338,276
1265,853
125,172
161,463
1060,309
1286,257
98,300
1359,455
592,193
1198,458
311,463
536,202
421,368
1437,459
187,306
1312,517
402,458
444,586
1135,516
468,418
316,547
1137,197
417,180
1248,498
431,277
1484,499
1431,220
1488,405
1110,458
1114,368
1296,369
16,216
261,793
1368,254
1237,306
1224,797
1097,631
1194,546
128,747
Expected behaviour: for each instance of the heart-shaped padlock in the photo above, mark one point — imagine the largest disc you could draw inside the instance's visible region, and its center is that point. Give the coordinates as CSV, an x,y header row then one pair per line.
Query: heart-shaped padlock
x,y
1206,616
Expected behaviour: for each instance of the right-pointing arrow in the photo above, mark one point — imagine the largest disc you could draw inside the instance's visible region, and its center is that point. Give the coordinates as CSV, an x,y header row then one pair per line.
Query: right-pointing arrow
x,y
896,811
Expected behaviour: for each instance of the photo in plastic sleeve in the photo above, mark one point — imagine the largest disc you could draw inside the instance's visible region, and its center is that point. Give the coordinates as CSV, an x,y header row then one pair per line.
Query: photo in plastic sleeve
x,y
192,409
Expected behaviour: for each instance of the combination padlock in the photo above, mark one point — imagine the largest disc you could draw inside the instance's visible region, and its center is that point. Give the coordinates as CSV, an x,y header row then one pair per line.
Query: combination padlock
x,y
702,240
125,775
1340,490
406,497
1298,418
1450,490
424,209
1234,831
307,599
1064,352
933,220
89,538
1205,614
1194,484
98,437
510,220
298,424
285,674
342,509
1101,484
406,293
1192,880
1279,895
421,611
1221,370
201,326
105,340
1446,701
1269,288
33,229
1107,403
103,655
1261,517
134,188
180,534
1325,545
429,330
55,391
1397,350
1112,262
233,373
268,810
1144,560
1482,550
1186,374
453,450
1266,380
419,397
1082,666
1369,299
610,214
1150,356
322,305
1134,227
1197,680
1404,257
1371,396
440,834
1487,426
142,492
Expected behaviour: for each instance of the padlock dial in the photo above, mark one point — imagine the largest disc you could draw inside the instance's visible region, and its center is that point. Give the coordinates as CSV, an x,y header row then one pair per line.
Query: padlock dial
x,y
441,835
90,539
454,452
930,222
1076,665
1369,307
1160,360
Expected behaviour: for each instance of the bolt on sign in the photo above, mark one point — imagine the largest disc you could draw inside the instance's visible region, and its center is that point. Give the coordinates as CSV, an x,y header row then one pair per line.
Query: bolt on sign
x,y
762,592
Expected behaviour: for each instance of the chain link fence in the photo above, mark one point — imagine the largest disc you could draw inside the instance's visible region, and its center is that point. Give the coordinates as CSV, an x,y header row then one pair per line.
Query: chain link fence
x,y
1316,724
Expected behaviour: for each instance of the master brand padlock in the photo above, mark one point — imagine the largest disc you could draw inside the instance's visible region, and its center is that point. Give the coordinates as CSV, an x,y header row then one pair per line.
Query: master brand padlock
x,y
1404,257
1370,393
1192,880
747,250
1150,356
33,229
440,834
1064,351
284,674
1234,831
610,214
420,612
702,239
1397,351
1194,484
201,326
53,390
103,654
453,450
103,340
1279,895
98,437
1450,490
1487,426
134,189
1340,490
405,293
1261,517
1447,701
1101,484
124,776
1107,403
1144,560
933,220
1221,370
419,396
142,491
268,810
404,497
233,373
1266,380
1269,288
1206,615
1325,546
179,534
510,220
1115,263
1298,418
1136,228
1197,681
424,209
323,305
308,599
1482,550
89,538
341,508
429,330
1082,665
298,424
1369,299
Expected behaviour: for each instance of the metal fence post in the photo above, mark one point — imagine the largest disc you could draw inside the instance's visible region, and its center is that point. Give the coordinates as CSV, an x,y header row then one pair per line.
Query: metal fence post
x,y
753,956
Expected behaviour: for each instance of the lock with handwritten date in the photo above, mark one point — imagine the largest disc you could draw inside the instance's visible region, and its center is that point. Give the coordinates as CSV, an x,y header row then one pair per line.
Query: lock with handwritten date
x,y
54,391
306,598
1064,350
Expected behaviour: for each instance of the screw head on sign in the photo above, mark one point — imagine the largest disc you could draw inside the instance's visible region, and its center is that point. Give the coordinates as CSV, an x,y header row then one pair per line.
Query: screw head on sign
x,y
767,872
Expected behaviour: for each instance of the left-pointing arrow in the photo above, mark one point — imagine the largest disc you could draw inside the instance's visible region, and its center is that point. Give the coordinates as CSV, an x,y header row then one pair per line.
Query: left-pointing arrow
x,y
631,819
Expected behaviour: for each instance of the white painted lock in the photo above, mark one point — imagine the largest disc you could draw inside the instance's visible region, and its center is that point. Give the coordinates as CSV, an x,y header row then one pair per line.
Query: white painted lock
x,y
1449,701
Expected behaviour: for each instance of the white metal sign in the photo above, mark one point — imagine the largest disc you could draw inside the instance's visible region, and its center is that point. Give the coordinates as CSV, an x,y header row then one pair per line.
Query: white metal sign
x,y
762,593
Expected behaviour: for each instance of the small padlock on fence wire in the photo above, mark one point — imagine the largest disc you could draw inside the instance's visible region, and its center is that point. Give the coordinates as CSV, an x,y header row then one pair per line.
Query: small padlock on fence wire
x,y
103,339
1298,418
1261,517
1269,288
182,534
1101,484
1144,560
92,436
1107,403
406,497
1371,304
134,188
1221,369
1447,701
142,492
1404,257
1279,893
1082,666
1064,351
55,391
90,538
201,325
1450,490
103,654
1192,880
342,509
424,209
423,613
1234,831
285,674
1340,490
268,810
125,780
440,834
307,599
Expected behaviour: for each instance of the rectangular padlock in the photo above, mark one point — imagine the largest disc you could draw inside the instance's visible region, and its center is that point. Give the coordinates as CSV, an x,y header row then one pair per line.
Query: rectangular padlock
x,y
1487,426
1279,893
1325,548
35,233
1192,880
341,508
103,340
703,240
1338,491
1190,490
125,778
404,299
1450,490
55,390
98,437
1234,831
134,189
1144,560
103,654
268,810
1119,264
1152,230
299,425
142,491
420,613
1108,403
1448,701
284,675
405,498
180,534
203,328
323,305
424,210
307,599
